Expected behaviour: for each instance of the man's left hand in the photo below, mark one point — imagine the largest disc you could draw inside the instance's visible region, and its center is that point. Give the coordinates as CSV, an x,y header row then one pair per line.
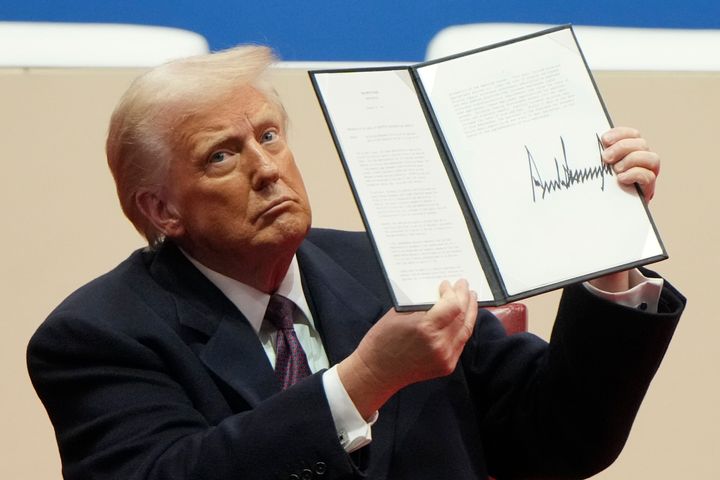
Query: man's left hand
x,y
632,160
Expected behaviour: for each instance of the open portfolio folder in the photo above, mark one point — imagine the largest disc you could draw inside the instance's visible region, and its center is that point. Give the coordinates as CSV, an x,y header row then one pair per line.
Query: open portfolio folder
x,y
487,166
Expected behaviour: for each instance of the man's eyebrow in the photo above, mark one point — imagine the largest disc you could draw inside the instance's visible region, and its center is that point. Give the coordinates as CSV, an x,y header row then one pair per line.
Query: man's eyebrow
x,y
209,138
267,115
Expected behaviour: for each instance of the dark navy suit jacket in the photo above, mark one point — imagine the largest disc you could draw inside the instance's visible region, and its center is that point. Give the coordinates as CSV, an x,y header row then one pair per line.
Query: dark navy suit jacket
x,y
150,372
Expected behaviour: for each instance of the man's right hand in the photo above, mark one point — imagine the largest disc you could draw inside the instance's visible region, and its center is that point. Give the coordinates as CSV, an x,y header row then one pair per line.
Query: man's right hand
x,y
405,348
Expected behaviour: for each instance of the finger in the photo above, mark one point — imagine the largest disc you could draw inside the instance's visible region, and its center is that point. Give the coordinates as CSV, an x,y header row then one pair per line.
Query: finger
x,y
452,304
639,159
446,309
462,292
470,315
622,148
444,287
467,316
645,178
454,293
616,134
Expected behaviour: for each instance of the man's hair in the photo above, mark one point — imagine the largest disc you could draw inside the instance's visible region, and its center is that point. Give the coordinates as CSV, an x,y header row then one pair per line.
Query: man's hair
x,y
138,144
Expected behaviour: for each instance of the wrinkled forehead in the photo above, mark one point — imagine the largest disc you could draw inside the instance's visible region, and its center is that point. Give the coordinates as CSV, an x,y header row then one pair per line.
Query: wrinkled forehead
x,y
242,108
245,102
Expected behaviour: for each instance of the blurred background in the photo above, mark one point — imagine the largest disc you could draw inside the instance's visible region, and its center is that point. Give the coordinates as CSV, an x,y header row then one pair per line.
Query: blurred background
x,y
357,30
62,225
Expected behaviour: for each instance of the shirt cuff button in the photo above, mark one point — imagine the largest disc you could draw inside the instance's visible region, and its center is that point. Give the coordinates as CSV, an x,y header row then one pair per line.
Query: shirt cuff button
x,y
320,468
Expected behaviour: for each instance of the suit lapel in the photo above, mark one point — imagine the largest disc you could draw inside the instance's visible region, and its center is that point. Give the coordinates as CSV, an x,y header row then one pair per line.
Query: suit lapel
x,y
342,308
231,350
235,355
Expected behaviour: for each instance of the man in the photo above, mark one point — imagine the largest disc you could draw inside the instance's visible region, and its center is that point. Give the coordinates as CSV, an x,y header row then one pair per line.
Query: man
x,y
166,368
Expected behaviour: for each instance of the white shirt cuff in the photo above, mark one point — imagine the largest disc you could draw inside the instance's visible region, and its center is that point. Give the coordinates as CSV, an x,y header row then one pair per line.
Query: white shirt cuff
x,y
644,292
352,429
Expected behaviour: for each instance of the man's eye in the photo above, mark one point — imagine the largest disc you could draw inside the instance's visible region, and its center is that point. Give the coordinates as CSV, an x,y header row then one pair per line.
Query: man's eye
x,y
218,157
269,136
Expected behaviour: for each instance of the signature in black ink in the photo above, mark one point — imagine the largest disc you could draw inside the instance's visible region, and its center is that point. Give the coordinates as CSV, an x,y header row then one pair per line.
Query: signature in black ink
x,y
566,177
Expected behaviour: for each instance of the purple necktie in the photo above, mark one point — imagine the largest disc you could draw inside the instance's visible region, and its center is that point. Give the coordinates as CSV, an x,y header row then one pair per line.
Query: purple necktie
x,y
291,364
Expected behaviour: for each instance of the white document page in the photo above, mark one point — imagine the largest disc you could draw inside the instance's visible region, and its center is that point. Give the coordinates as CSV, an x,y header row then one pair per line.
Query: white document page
x,y
521,122
407,199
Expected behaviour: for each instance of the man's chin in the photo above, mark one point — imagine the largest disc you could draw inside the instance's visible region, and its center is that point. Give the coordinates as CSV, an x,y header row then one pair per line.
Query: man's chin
x,y
287,231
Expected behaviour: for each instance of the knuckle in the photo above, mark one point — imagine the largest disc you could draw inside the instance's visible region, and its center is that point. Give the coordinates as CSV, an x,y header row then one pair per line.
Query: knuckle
x,y
455,310
656,163
424,331
447,367
650,177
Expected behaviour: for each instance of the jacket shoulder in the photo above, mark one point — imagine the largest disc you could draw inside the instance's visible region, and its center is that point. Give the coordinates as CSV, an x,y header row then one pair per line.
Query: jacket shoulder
x,y
353,252
117,299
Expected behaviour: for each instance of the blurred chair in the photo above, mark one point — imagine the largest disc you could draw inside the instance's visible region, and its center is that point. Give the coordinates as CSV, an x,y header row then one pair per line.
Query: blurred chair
x,y
31,44
513,316
605,48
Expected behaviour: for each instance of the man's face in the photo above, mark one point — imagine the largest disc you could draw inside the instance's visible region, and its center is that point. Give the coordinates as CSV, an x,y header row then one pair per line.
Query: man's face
x,y
233,183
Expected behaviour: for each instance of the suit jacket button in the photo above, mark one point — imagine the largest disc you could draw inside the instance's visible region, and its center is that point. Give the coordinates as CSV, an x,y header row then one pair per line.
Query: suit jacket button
x,y
306,474
320,468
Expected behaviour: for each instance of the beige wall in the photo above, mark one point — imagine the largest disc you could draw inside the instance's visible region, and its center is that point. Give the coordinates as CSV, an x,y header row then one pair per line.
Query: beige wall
x,y
62,227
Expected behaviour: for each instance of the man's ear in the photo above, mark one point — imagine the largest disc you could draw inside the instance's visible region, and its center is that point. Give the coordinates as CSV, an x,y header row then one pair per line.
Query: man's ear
x,y
161,214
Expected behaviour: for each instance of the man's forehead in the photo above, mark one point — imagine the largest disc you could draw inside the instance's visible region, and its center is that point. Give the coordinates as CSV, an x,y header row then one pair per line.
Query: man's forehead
x,y
246,102
244,107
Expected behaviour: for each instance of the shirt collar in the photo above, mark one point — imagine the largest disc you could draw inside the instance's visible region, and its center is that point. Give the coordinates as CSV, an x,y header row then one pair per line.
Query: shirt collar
x,y
251,302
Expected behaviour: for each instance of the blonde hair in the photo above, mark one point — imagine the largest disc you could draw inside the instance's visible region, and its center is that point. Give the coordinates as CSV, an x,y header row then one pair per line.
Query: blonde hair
x,y
137,147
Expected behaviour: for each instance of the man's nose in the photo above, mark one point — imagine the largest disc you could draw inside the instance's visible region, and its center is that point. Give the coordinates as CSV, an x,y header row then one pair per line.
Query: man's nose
x,y
264,169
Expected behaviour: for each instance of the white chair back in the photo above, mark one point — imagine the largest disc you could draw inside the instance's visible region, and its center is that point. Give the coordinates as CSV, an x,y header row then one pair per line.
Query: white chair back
x,y
605,48
30,44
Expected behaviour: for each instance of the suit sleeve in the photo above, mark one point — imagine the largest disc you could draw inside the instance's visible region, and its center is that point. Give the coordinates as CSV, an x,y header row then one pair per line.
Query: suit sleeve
x,y
120,410
564,410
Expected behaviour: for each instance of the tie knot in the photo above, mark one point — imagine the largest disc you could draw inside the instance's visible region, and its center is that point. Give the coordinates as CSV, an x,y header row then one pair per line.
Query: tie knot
x,y
280,312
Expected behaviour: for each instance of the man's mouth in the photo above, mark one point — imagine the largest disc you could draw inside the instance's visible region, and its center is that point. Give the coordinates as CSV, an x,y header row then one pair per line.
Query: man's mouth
x,y
276,206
